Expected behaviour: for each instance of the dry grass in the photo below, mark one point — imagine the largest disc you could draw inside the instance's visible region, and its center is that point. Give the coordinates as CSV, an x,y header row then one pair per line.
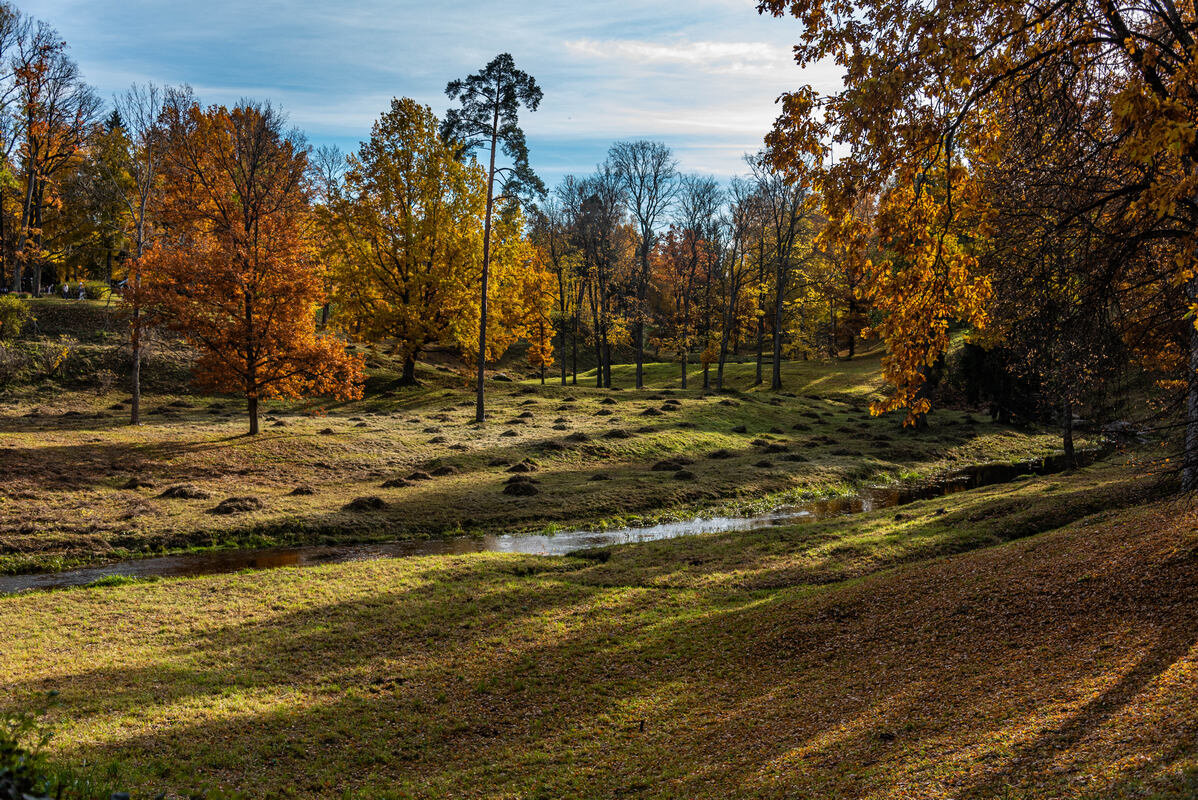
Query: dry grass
x,y
1062,665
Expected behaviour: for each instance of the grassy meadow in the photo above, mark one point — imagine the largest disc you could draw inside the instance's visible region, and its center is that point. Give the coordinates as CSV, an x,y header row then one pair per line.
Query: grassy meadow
x,y
85,487
1036,639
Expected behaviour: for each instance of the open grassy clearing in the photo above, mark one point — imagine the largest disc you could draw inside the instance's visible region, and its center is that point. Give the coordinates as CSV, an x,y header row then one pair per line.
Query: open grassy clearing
x,y
83,487
870,657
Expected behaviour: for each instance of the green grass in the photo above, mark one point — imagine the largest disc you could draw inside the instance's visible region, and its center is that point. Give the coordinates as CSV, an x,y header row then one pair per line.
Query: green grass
x,y
69,455
1038,639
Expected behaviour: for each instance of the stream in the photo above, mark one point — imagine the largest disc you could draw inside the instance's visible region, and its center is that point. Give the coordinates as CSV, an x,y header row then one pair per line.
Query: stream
x,y
555,544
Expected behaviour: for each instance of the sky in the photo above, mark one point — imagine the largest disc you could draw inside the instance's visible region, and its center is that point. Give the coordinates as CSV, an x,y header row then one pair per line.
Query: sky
x,y
700,75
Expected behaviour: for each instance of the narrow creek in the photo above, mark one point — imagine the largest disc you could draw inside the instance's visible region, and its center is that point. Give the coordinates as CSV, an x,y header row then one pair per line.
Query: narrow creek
x,y
556,544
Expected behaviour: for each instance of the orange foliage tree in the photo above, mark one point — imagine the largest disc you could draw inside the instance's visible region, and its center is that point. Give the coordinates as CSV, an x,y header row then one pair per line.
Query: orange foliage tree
x,y
238,274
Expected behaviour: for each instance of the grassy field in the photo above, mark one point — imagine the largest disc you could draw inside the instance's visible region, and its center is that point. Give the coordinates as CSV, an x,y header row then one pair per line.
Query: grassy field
x,y
1037,639
81,486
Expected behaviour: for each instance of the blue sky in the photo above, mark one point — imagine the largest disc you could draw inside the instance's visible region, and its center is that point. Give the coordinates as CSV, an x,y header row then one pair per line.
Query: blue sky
x,y
700,75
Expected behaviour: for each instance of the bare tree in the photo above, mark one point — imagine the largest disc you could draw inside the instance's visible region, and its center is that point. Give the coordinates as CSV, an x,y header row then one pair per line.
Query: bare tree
x,y
648,175
785,205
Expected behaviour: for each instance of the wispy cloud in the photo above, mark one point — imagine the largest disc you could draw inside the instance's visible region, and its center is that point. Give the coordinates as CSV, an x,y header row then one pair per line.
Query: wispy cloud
x,y
716,58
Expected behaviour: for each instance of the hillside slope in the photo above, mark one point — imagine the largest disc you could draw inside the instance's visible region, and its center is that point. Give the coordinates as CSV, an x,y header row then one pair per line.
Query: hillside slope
x,y
825,661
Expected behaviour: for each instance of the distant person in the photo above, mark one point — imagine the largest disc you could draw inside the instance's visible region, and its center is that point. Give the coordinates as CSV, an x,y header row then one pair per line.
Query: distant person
x,y
66,290
82,293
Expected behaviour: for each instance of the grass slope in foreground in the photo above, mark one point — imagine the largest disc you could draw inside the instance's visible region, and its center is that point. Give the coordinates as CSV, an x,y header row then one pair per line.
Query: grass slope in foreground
x,y
81,486
1030,640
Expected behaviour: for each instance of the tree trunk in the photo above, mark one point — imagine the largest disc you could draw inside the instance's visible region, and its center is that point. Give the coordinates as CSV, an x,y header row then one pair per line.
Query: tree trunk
x,y
1067,434
480,413
135,376
776,382
706,375
1189,473
253,409
408,378
684,355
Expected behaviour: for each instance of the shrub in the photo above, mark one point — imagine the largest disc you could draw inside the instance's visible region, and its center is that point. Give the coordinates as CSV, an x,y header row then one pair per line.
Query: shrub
x,y
96,290
26,773
14,315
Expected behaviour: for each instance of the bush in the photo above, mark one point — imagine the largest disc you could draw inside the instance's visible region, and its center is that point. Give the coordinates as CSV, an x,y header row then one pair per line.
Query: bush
x,y
14,315
26,773
96,290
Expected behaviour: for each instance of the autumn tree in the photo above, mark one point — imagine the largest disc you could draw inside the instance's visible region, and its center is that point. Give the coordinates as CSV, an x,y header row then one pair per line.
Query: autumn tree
x,y
489,117
404,236
238,274
927,89
57,115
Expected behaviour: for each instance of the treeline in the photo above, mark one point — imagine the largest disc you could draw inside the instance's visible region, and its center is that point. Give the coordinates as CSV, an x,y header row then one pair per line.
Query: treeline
x,y
642,255
223,224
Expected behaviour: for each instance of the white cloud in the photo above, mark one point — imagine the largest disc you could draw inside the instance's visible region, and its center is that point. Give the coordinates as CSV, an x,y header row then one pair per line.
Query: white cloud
x,y
718,58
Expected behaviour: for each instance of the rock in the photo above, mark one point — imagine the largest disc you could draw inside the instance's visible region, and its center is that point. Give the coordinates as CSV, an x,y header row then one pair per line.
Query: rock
x,y
522,479
729,403
776,448
617,433
359,424
764,463
668,407
603,412
561,426
302,491
420,475
721,454
666,466
800,426
521,489
599,476
523,466
499,377
509,433
498,462
569,399
776,429
607,401
441,472
186,491
396,483
438,440
369,503
327,431
650,412
516,421
529,403
525,415
237,505
740,429
552,444
760,442
431,429
684,475
137,483
578,437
